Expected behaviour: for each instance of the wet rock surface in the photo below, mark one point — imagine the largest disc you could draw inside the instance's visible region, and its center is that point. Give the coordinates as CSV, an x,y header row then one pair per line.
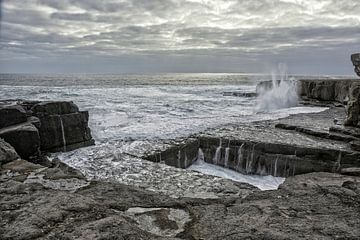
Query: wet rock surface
x,y
39,202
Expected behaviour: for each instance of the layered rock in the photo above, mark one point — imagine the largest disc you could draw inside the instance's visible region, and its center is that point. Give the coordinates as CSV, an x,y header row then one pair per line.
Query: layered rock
x,y
294,145
31,127
355,58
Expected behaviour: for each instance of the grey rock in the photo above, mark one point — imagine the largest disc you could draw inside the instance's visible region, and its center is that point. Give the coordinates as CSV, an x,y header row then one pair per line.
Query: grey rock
x,y
53,108
7,152
355,171
23,137
355,58
311,206
11,115
59,131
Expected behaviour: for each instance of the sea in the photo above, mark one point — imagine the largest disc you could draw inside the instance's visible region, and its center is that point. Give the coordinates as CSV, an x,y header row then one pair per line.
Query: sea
x,y
129,113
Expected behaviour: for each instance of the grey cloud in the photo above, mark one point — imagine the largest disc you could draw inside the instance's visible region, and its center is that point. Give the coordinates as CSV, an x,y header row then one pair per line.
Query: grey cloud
x,y
237,29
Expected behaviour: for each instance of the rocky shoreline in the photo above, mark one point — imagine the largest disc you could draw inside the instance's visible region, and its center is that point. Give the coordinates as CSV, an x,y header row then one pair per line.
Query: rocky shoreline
x,y
320,199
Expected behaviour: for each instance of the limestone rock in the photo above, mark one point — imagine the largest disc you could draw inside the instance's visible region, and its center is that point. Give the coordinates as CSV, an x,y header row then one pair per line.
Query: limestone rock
x,y
23,137
7,152
355,58
54,108
355,171
11,115
59,131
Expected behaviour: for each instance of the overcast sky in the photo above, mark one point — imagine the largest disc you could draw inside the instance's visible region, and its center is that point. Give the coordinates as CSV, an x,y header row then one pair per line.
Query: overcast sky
x,y
117,36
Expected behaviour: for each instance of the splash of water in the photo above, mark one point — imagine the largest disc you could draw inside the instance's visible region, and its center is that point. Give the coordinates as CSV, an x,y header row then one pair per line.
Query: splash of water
x,y
281,94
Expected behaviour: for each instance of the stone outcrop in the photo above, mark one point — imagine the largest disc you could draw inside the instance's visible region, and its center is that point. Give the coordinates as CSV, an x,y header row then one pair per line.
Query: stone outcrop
x,y
24,137
62,126
40,202
33,126
355,58
7,152
294,145
11,115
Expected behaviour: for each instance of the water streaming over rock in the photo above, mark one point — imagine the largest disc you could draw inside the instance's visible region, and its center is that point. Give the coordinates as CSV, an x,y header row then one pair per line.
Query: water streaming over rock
x,y
200,156
275,166
217,157
62,133
179,159
227,153
240,157
250,160
337,164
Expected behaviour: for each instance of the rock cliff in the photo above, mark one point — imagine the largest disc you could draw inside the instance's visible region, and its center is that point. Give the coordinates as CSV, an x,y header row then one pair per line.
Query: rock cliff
x,y
32,127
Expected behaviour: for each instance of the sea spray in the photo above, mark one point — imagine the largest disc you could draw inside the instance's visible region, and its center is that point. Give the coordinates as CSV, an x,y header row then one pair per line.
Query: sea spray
x,y
281,94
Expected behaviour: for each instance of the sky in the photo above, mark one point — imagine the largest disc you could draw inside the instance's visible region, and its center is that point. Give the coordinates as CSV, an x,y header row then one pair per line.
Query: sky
x,y
148,36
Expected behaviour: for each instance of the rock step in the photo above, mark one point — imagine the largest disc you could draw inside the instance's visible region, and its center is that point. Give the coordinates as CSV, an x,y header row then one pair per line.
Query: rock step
x,y
337,136
257,157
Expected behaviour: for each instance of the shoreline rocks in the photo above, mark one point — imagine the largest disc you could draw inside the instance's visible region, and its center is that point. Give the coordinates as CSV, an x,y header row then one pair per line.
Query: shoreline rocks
x,y
35,127
56,201
355,59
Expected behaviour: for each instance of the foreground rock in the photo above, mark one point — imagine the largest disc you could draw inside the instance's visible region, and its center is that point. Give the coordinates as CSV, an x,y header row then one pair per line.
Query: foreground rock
x,y
31,127
58,203
7,152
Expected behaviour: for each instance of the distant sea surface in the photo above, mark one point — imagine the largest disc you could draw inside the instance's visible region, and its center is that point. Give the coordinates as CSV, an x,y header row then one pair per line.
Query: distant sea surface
x,y
142,108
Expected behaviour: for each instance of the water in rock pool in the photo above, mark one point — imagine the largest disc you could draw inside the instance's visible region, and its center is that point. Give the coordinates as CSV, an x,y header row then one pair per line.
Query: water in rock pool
x,y
129,114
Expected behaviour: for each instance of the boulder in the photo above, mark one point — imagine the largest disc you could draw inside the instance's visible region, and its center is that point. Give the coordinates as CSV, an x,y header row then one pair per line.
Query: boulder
x,y
59,131
11,115
23,137
7,152
54,108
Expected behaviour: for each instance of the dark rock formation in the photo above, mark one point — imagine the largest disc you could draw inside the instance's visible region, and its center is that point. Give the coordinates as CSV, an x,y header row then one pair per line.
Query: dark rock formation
x,y
31,126
11,115
7,152
24,137
345,91
240,94
355,58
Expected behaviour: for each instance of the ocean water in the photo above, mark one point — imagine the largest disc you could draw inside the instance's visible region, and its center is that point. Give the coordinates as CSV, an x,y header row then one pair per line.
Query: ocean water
x,y
130,113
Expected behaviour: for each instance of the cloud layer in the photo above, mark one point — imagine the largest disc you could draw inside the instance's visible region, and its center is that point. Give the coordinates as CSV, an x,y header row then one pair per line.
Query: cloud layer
x,y
241,33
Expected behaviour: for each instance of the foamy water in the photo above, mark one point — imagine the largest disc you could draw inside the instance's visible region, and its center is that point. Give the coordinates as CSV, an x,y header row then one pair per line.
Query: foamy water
x,y
142,113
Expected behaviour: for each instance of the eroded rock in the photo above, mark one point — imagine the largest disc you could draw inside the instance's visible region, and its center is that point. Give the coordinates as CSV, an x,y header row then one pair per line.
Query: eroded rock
x,y
7,152
23,137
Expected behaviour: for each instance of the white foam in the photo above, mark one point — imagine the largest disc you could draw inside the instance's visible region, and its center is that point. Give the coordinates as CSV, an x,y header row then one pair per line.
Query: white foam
x,y
262,182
